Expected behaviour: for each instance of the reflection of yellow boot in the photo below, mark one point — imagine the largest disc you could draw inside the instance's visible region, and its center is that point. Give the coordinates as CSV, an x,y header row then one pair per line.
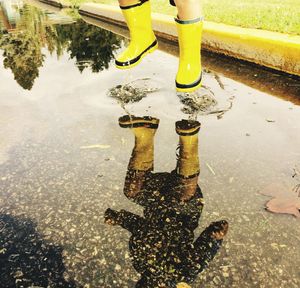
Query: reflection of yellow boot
x,y
142,157
142,38
188,161
189,73
144,129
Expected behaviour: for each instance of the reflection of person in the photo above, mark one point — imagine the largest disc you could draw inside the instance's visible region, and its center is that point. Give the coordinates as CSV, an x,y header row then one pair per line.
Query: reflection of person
x,y
162,244
143,41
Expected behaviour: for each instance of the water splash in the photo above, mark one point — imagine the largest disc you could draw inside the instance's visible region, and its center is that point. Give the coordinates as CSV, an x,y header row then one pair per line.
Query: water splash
x,y
133,91
207,100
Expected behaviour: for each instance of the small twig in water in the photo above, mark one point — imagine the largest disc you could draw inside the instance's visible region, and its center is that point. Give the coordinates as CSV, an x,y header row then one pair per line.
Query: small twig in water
x,y
211,169
217,77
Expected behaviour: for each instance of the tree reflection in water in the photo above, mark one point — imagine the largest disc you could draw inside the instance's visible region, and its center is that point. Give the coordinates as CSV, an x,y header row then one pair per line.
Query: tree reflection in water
x,y
91,46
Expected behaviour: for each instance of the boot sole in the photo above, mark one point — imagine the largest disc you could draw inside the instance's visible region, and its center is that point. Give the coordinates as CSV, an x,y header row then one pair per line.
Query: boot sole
x,y
132,63
127,121
189,87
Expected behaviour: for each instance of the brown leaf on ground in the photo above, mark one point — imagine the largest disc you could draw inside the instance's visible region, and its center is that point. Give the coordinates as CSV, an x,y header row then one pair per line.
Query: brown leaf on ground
x,y
285,200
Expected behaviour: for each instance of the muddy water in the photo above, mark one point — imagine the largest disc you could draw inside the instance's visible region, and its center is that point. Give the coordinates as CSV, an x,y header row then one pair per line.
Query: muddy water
x,y
64,158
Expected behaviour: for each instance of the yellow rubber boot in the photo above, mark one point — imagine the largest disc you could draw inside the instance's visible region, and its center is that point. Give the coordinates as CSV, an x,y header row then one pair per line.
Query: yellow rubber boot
x,y
189,73
142,38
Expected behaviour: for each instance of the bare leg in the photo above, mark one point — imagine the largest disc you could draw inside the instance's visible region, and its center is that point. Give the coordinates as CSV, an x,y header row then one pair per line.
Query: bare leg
x,y
128,2
188,9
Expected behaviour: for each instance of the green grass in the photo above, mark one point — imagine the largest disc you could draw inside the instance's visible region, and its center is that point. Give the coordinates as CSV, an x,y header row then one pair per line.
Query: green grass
x,y
273,15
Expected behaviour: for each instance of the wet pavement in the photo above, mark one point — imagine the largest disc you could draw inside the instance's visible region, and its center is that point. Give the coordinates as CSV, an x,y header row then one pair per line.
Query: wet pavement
x,y
64,160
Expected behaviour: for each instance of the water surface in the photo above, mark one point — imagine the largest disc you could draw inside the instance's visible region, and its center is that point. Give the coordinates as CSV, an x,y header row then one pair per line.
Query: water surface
x,y
64,159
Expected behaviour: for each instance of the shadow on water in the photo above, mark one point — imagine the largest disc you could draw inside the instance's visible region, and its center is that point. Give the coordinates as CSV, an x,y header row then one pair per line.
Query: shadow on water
x,y
162,245
23,46
26,260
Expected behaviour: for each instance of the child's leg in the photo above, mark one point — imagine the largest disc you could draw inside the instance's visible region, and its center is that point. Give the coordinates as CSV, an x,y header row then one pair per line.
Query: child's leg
x,y
128,2
188,9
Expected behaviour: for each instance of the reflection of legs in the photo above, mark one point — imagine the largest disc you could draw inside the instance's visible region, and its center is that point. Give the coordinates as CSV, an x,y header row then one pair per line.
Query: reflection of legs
x,y
141,160
188,161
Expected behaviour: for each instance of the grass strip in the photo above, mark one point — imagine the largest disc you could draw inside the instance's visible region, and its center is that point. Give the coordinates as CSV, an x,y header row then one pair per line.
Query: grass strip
x,y
273,15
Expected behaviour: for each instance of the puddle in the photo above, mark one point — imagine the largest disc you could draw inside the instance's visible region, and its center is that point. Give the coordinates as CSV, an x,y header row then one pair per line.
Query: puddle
x,y
66,157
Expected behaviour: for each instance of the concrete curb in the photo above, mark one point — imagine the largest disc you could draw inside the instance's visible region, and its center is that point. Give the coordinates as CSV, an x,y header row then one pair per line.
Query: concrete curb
x,y
43,5
56,3
274,50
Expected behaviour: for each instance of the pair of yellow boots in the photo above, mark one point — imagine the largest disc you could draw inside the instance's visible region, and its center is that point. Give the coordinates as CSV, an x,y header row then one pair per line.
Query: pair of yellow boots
x,y
143,41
